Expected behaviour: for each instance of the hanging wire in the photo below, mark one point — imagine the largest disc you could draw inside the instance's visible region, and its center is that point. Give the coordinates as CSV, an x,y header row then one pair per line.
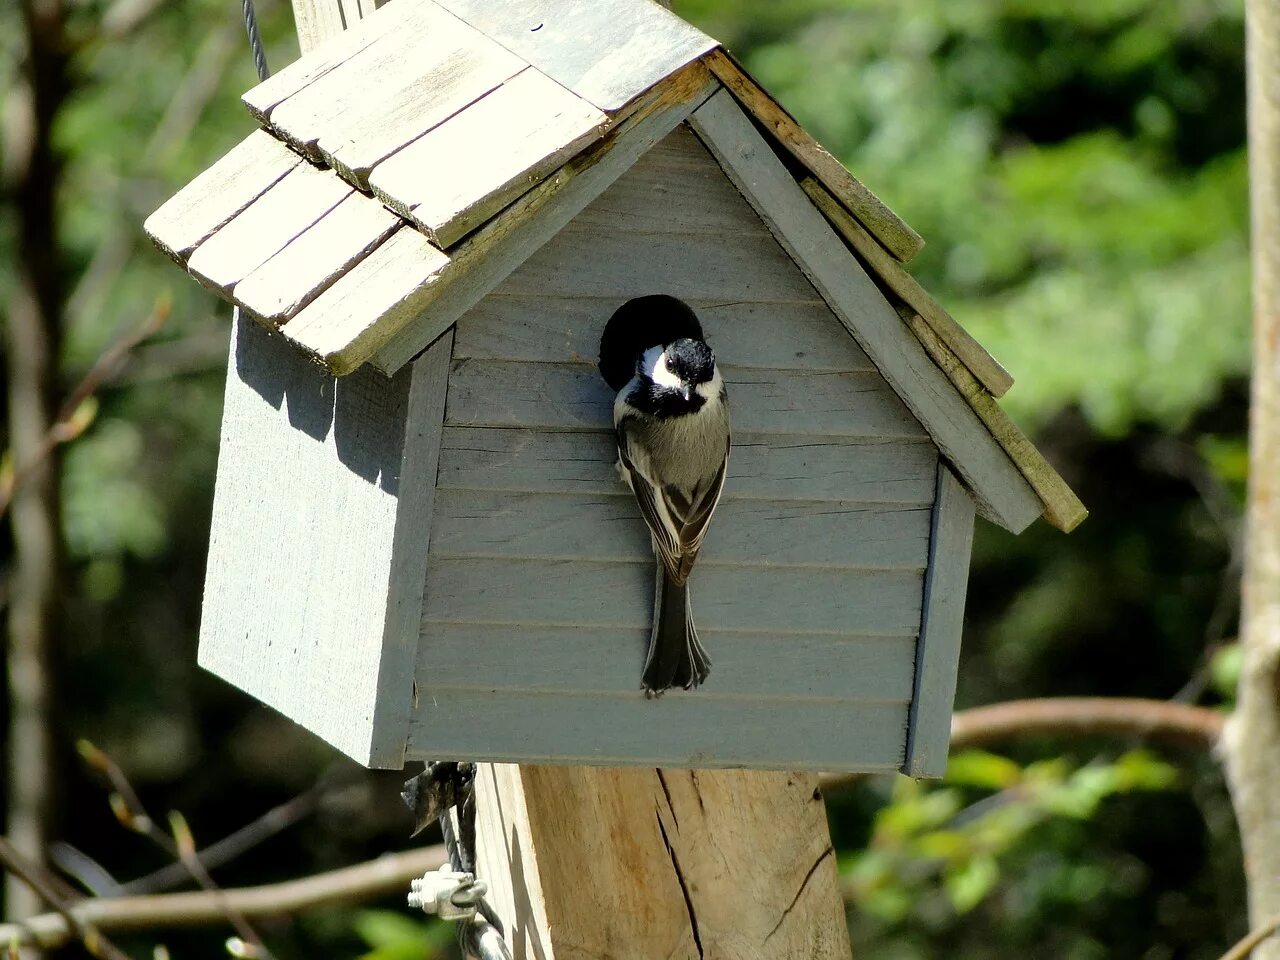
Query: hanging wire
x,y
255,39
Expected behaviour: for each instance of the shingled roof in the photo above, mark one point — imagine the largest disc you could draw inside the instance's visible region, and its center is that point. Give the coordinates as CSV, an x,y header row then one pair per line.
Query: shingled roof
x,y
404,168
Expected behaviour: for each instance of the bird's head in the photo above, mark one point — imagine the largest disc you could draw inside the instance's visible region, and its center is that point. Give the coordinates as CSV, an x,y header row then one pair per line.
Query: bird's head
x,y
680,366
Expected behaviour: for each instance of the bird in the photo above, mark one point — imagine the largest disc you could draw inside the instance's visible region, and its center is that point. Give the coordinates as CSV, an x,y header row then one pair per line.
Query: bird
x,y
671,421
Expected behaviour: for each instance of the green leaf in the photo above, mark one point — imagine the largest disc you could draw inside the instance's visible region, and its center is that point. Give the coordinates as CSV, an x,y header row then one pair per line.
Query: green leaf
x,y
977,768
968,885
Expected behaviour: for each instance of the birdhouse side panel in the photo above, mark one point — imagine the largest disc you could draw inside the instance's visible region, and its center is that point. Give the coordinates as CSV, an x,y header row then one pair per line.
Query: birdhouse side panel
x,y
808,591
317,550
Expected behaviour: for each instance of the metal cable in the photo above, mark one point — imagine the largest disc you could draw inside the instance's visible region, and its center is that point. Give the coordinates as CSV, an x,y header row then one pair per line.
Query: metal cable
x,y
255,39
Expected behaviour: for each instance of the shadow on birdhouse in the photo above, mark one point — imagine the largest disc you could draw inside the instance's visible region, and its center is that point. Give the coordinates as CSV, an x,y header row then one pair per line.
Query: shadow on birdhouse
x,y
420,545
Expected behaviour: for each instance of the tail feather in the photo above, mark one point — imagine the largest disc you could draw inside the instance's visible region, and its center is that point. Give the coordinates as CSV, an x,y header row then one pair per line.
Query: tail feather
x,y
676,658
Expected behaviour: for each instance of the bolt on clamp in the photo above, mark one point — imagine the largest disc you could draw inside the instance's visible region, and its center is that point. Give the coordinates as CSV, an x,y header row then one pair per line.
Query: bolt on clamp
x,y
448,894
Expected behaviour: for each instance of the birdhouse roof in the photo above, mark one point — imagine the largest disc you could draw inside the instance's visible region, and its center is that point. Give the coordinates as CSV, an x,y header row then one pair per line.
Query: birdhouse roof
x,y
401,170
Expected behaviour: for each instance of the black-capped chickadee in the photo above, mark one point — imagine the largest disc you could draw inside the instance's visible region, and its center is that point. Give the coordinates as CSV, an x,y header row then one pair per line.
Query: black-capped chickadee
x,y
671,416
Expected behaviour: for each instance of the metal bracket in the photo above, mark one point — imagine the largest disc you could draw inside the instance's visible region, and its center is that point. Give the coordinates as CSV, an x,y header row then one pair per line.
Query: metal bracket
x,y
449,894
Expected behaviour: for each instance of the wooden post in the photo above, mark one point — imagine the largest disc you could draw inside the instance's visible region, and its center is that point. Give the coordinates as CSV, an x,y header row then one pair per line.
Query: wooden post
x,y
596,862
593,862
1252,736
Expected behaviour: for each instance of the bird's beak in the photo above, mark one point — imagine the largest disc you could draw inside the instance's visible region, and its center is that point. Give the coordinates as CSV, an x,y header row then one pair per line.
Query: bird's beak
x,y
687,391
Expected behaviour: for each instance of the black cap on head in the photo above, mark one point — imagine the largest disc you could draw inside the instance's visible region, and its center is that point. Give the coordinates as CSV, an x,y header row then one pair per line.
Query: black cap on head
x,y
639,324
691,360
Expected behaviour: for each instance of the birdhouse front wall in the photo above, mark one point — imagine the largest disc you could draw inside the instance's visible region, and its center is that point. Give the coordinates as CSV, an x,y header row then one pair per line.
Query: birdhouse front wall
x,y
809,591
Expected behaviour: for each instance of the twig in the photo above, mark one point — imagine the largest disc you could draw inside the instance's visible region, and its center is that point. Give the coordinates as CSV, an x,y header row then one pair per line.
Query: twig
x,y
1252,939
1156,720
30,874
180,844
374,878
67,426
233,845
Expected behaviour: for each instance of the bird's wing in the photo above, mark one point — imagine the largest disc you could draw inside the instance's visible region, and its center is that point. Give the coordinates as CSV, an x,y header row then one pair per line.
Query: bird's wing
x,y
698,517
678,521
653,507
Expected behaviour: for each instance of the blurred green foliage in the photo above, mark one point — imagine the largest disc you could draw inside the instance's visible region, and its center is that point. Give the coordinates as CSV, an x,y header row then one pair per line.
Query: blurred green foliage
x,y
1078,171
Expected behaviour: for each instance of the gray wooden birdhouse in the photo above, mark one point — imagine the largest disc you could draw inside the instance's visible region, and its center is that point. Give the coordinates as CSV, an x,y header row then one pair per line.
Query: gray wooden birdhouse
x,y
420,546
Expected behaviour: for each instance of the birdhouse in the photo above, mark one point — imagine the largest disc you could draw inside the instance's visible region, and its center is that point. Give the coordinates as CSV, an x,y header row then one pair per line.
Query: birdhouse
x,y
421,547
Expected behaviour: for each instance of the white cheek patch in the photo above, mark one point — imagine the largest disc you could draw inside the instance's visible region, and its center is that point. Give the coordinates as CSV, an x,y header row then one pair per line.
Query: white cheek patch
x,y
654,365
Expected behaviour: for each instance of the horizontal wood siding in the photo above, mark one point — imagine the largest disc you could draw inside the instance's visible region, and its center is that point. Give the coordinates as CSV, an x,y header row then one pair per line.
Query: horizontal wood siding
x,y
540,574
769,466
677,730
607,660
559,526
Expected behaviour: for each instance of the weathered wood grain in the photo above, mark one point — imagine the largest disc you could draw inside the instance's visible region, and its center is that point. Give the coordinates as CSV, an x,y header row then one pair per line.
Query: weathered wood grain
x,y
478,523
795,336
594,262
266,227
373,291
317,559
496,393
325,23
459,174
981,364
313,260
804,232
739,597
1062,507
391,79
942,623
900,240
664,885
344,341
674,188
762,465
576,660
453,67
220,192
608,51
680,729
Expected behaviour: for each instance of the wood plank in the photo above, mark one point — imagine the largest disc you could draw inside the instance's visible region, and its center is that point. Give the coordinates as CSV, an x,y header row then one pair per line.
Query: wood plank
x,y
770,599
898,238
795,336
608,52
591,262
432,53
368,297
484,259
312,261
677,187
942,623
854,298
670,885
680,729
414,97
479,523
1062,507
981,364
325,23
419,462
496,393
266,227
471,166
762,465
316,555
218,193
593,660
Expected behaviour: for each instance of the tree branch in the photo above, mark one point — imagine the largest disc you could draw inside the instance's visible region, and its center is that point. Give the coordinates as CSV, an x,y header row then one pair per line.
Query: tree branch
x,y
374,878
30,874
1252,940
1161,721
